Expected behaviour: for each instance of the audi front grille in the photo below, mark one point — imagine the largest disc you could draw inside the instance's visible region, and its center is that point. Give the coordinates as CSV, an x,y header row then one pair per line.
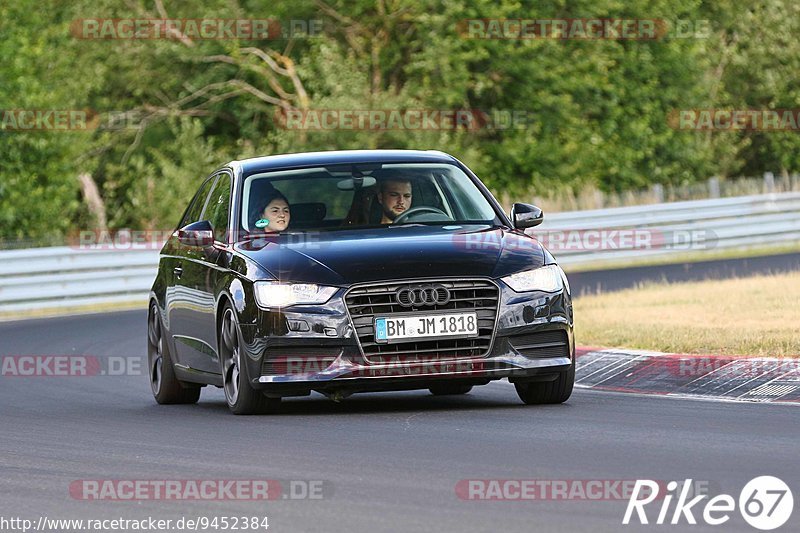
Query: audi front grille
x,y
368,301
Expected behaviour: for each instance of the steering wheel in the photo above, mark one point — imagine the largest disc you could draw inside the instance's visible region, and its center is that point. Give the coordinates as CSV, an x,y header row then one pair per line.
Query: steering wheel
x,y
417,210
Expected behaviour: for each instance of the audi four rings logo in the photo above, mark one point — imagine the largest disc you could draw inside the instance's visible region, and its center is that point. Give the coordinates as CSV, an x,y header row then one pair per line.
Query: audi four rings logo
x,y
419,295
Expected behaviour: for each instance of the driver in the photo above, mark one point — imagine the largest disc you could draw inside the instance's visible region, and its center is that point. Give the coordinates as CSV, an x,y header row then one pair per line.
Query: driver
x,y
394,196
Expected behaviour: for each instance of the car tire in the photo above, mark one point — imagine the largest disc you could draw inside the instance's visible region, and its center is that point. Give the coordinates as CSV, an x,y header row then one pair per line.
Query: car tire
x,y
240,395
543,392
167,389
449,389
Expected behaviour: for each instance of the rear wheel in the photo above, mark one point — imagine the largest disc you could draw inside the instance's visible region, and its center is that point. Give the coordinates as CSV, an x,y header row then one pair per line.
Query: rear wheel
x,y
167,389
242,398
557,390
447,389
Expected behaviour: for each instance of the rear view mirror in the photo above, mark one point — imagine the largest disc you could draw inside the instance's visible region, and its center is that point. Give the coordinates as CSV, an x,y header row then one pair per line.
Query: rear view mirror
x,y
197,234
526,216
356,183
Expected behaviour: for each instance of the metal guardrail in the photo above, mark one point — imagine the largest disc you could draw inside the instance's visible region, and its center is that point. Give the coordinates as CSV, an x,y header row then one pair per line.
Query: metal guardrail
x,y
678,227
38,278
69,277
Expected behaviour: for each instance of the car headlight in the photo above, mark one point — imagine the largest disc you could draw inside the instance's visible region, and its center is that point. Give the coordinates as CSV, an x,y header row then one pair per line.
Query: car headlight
x,y
273,294
548,278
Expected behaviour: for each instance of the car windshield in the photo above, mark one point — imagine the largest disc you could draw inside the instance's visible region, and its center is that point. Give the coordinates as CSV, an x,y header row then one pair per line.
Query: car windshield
x,y
362,195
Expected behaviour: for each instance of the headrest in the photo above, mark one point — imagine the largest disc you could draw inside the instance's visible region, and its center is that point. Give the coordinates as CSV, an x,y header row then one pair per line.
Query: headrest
x,y
308,213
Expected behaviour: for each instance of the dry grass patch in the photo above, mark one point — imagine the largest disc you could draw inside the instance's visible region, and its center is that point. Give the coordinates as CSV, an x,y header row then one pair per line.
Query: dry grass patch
x,y
748,316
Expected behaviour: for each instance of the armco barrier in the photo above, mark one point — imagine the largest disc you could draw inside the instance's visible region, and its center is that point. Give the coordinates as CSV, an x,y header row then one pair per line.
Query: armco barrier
x,y
67,277
740,222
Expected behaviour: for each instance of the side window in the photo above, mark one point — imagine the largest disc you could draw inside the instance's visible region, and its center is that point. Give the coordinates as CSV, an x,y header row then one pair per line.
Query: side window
x,y
468,200
196,209
219,206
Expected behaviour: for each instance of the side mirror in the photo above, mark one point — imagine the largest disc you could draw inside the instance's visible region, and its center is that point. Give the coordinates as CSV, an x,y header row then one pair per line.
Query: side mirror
x,y
526,216
197,234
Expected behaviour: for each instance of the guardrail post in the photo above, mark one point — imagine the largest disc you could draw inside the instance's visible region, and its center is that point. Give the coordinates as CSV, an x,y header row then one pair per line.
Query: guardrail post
x,y
599,200
769,182
658,193
713,187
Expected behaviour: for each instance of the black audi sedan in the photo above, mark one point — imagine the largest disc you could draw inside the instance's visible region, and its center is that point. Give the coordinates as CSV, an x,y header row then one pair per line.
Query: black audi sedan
x,y
355,271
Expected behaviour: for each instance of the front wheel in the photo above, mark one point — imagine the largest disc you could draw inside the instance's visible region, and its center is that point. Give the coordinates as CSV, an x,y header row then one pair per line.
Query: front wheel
x,y
242,398
167,389
543,392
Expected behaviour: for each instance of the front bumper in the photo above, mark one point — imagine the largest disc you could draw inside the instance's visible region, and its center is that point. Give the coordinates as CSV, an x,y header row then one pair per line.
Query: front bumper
x,y
351,378
344,366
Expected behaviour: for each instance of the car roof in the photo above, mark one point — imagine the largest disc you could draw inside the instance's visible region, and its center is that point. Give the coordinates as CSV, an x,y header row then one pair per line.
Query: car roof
x,y
338,157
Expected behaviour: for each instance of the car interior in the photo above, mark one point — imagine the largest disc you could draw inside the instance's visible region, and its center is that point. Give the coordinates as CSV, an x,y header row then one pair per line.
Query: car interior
x,y
347,200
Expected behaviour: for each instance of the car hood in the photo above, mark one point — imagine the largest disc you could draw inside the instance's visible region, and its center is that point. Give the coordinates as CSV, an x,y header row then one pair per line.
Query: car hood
x,y
346,257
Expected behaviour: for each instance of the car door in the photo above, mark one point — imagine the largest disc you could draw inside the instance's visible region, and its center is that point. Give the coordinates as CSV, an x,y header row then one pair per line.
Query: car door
x,y
185,303
209,267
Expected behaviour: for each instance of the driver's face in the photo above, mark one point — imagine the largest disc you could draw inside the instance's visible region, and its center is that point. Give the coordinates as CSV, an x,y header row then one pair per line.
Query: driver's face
x,y
395,197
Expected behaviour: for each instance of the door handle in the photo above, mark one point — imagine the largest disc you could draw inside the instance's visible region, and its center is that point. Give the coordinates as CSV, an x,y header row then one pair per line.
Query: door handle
x,y
178,271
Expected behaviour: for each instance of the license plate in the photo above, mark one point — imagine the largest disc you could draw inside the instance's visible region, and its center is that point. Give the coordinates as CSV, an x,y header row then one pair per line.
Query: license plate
x,y
400,328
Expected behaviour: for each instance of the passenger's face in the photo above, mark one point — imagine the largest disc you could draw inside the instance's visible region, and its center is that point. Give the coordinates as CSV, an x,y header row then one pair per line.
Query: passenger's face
x,y
277,212
395,197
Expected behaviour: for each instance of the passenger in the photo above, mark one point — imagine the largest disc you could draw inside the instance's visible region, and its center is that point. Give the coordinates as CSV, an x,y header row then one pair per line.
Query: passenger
x,y
276,214
394,196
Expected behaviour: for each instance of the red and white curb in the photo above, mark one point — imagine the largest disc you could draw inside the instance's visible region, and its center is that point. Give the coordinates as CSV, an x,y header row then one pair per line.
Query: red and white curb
x,y
751,379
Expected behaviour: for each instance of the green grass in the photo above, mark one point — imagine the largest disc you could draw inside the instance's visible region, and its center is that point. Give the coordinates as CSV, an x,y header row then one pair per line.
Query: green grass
x,y
749,316
688,257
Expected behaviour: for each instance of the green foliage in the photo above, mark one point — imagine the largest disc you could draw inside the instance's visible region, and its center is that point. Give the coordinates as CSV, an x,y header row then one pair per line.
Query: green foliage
x,y
38,189
596,111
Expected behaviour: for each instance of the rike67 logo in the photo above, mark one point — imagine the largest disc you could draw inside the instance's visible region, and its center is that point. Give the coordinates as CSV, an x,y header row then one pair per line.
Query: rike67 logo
x,y
765,503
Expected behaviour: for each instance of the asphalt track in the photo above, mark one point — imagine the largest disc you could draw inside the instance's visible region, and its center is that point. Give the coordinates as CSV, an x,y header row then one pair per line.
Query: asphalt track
x,y
390,461
627,277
